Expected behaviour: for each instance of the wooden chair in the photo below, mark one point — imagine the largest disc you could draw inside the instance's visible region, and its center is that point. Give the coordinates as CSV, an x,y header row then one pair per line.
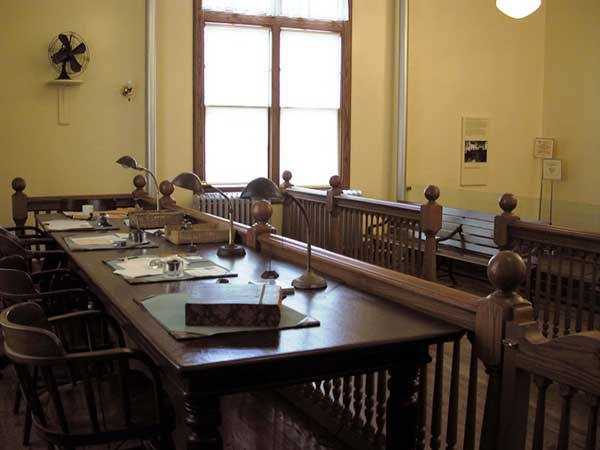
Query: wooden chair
x,y
44,259
106,401
571,362
46,280
17,286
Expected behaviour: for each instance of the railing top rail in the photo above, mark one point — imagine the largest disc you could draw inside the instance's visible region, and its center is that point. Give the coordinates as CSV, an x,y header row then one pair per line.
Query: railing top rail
x,y
451,305
355,202
551,234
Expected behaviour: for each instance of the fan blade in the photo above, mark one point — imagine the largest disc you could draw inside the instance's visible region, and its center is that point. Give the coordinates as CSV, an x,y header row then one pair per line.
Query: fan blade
x,y
60,56
75,66
79,49
65,40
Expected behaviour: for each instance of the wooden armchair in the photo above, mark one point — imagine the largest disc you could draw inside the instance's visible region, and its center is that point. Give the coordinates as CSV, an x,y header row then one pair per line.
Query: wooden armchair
x,y
45,280
105,401
17,286
11,245
570,364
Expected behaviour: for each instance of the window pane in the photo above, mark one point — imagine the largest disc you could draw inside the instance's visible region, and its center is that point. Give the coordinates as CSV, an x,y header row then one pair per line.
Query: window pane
x,y
309,144
315,9
256,7
236,144
237,62
310,69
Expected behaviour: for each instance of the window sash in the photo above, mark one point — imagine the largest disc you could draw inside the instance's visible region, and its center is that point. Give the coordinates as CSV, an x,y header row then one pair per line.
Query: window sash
x,y
276,24
304,9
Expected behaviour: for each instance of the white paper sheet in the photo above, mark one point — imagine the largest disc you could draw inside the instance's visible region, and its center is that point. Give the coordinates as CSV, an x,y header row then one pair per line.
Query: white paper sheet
x,y
210,271
66,224
108,239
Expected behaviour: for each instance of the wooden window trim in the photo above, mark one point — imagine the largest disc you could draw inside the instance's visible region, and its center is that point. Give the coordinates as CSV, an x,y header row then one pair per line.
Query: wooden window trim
x,y
275,23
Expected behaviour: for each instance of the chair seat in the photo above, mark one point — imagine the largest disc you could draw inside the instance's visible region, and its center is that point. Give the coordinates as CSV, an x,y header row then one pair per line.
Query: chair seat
x,y
110,412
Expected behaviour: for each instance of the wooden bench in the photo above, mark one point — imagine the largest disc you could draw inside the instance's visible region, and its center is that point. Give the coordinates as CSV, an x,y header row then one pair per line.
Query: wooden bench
x,y
466,237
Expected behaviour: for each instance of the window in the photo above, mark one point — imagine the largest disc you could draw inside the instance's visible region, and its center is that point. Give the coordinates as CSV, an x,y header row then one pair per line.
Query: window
x,y
271,90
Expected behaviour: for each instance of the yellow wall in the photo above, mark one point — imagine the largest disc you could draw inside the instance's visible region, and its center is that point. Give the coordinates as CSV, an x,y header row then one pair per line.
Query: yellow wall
x,y
80,157
572,107
372,102
468,59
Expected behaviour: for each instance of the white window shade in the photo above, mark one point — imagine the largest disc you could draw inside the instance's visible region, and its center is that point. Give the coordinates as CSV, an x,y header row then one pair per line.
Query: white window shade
x,y
237,142
310,69
309,145
237,63
307,9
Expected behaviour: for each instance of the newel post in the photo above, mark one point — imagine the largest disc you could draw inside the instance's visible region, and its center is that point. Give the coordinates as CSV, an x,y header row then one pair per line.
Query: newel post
x,y
508,203
166,188
262,210
139,181
335,233
19,202
431,224
506,271
286,219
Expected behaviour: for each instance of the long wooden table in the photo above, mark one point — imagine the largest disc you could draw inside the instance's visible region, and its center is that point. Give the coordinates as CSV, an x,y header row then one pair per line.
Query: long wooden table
x,y
358,333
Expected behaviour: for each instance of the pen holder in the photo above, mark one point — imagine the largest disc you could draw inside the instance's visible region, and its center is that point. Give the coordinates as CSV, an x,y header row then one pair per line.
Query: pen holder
x,y
173,267
137,236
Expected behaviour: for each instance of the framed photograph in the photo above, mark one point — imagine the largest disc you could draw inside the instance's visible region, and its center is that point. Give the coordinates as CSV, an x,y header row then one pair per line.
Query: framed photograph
x,y
552,169
543,148
475,151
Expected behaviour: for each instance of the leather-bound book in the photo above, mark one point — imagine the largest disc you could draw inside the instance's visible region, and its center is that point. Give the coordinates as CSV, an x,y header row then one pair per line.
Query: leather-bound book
x,y
234,306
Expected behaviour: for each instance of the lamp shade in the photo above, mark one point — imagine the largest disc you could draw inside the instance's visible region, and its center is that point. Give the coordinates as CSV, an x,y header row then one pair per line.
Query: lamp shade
x,y
518,9
189,181
262,188
128,162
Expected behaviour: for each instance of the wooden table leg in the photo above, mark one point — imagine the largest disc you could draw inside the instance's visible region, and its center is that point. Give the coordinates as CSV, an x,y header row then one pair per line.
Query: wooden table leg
x,y
203,418
402,405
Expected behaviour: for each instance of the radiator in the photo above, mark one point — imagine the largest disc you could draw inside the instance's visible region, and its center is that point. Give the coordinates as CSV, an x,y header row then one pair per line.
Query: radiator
x,y
213,203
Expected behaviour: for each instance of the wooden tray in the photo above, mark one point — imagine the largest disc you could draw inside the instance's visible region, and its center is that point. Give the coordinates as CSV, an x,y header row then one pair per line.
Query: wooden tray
x,y
199,233
154,219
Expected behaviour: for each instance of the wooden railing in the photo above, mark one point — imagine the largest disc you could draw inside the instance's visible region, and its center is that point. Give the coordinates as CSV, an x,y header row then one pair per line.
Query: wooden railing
x,y
459,396
563,270
393,235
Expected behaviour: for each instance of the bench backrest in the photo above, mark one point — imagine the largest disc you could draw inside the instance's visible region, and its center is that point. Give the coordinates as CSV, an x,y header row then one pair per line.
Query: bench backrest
x,y
476,231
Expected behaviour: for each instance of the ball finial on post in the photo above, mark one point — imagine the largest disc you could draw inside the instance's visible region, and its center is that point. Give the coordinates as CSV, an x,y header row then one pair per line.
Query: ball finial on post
x,y
335,181
287,176
506,271
432,193
508,203
166,188
18,184
139,181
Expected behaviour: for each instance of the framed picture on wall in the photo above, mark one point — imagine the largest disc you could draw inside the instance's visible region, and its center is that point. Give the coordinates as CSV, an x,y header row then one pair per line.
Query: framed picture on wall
x,y
552,169
543,148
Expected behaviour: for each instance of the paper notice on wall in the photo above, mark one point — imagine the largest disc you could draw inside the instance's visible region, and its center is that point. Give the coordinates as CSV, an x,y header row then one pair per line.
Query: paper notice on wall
x,y
474,151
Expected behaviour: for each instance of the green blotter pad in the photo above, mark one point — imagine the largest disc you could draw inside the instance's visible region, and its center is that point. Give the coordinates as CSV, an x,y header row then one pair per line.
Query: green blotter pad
x,y
169,311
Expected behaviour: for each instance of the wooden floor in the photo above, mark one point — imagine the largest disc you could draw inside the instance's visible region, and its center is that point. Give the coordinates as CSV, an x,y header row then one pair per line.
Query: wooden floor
x,y
261,421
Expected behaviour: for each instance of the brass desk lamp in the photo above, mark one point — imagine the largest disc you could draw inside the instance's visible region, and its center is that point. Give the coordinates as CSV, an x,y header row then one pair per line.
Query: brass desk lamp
x,y
265,189
129,162
192,182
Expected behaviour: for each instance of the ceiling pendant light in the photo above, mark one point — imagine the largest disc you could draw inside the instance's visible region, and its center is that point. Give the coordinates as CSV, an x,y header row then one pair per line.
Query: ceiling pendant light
x,y
518,9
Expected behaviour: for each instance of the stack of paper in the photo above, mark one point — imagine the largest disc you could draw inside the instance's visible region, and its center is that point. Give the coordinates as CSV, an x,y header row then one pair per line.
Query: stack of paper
x,y
137,267
66,224
105,239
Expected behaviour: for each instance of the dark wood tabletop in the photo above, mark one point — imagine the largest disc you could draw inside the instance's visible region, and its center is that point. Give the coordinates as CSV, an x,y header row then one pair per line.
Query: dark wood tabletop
x,y
358,331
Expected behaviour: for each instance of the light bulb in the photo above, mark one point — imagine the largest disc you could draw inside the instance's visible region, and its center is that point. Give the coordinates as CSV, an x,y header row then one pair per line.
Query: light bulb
x,y
518,9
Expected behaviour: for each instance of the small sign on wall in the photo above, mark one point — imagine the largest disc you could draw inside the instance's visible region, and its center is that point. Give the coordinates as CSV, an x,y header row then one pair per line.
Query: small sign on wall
x,y
474,151
543,148
552,170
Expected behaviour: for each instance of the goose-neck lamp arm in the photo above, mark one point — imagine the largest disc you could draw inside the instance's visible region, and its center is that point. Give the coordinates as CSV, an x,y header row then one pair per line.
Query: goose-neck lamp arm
x,y
129,162
192,182
263,188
